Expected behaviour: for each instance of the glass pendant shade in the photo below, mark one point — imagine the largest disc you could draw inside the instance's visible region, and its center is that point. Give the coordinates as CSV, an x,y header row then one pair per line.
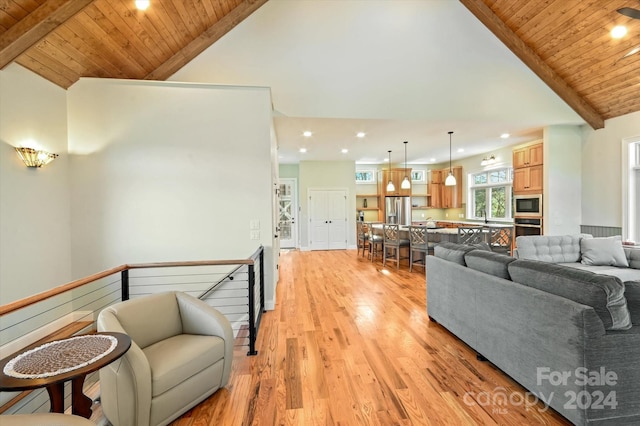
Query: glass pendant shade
x,y
450,180
406,183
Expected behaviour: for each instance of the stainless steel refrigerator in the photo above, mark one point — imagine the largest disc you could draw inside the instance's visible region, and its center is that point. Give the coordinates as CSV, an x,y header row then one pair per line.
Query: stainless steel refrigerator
x,y
397,210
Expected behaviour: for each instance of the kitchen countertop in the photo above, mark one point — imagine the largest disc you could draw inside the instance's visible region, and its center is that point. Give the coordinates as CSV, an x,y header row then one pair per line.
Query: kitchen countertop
x,y
463,222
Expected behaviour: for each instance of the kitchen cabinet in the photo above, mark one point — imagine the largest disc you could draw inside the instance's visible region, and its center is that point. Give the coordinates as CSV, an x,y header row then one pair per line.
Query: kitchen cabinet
x,y
527,180
452,195
528,169
396,176
528,156
443,196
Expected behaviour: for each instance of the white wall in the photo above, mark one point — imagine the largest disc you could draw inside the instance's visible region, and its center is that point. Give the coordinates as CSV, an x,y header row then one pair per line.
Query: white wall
x,y
169,171
327,175
601,170
562,180
34,203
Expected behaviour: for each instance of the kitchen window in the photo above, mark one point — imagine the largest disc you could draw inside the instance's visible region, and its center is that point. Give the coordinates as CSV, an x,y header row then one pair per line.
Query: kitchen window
x,y
490,194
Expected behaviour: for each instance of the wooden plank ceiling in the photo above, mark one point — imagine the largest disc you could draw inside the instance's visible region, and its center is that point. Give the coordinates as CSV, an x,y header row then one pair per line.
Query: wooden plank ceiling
x,y
63,40
565,42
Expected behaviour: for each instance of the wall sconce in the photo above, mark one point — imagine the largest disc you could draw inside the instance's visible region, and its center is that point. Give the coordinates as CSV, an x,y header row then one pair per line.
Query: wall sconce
x,y
486,161
35,158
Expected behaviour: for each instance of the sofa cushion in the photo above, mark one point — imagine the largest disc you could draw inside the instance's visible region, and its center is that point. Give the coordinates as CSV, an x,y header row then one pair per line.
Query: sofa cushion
x,y
603,251
604,293
633,257
625,274
632,294
550,248
452,252
488,262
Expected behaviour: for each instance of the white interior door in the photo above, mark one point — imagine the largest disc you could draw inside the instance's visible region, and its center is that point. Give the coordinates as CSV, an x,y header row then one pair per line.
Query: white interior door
x,y
337,214
288,213
327,219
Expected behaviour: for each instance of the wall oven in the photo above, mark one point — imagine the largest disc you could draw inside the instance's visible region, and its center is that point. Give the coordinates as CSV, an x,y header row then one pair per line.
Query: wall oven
x,y
527,226
527,205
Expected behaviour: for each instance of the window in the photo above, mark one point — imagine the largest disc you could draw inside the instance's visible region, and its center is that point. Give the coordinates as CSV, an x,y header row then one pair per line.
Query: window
x,y
490,194
418,176
366,176
631,227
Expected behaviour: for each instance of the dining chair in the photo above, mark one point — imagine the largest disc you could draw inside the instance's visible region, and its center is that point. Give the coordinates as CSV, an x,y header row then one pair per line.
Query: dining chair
x,y
470,235
420,242
501,239
376,242
393,244
363,237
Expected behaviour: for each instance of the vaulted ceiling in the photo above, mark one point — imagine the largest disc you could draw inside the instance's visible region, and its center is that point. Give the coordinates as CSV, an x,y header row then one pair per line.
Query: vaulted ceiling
x,y
565,42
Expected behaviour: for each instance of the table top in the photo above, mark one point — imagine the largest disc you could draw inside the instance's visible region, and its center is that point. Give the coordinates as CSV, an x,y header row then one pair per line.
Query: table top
x,y
63,349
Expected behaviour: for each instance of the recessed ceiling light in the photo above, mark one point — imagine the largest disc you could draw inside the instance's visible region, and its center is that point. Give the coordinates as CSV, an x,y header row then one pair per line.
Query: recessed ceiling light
x,y
361,134
303,150
307,133
344,150
504,135
386,160
142,4
433,160
619,31
460,149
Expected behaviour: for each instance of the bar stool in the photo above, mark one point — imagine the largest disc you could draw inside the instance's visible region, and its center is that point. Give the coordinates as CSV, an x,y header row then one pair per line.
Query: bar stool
x,y
393,243
363,237
421,241
376,242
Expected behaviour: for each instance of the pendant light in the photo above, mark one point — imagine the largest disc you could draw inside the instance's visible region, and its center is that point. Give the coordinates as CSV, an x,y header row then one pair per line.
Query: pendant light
x,y
390,186
406,183
451,179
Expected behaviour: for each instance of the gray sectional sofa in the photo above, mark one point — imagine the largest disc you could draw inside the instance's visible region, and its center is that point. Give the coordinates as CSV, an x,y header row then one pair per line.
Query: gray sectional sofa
x,y
570,336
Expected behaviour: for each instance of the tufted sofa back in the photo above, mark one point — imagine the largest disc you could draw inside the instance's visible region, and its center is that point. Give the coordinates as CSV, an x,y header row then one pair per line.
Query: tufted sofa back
x,y
550,248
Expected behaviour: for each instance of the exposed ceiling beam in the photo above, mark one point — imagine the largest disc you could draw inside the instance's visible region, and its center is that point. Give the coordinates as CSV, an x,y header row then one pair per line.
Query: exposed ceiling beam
x,y
534,62
206,39
30,30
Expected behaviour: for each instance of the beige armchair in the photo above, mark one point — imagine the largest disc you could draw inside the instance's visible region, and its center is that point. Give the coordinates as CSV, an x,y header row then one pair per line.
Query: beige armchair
x,y
181,353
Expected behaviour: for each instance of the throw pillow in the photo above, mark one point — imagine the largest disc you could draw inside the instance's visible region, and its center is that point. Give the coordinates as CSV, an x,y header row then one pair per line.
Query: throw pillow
x,y
603,251
489,262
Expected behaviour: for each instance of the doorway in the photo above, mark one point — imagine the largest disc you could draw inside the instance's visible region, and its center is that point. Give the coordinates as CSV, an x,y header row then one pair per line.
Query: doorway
x,y
288,213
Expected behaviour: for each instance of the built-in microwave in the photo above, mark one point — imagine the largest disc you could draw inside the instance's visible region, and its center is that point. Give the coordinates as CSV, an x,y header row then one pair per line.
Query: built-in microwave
x,y
527,205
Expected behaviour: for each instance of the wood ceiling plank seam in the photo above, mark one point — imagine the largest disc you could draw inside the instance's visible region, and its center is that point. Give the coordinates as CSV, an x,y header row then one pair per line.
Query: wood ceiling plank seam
x,y
538,21
16,10
179,26
91,67
99,40
199,14
141,25
620,89
49,48
535,63
581,69
221,8
184,14
211,12
585,25
6,20
43,71
116,17
517,13
35,26
112,38
72,33
561,24
167,28
622,81
51,62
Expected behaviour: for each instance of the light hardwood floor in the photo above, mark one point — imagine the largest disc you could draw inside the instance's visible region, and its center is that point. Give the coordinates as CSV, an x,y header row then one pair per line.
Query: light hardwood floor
x,y
351,344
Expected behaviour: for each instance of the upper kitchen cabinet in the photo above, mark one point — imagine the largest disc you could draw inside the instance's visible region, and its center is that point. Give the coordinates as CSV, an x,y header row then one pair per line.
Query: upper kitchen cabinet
x,y
527,156
396,176
443,196
528,169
